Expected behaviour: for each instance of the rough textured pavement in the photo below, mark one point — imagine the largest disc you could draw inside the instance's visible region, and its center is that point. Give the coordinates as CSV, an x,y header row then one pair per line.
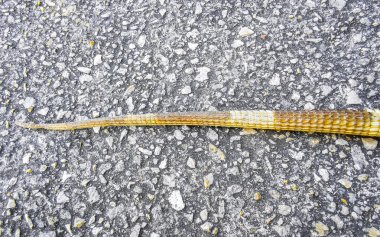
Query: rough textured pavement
x,y
70,60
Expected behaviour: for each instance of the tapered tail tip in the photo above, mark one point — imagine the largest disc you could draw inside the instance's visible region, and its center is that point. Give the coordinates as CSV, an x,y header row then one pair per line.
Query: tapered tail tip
x,y
27,125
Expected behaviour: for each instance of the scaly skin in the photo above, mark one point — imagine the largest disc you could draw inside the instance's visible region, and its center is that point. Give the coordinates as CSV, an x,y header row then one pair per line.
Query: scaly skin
x,y
361,123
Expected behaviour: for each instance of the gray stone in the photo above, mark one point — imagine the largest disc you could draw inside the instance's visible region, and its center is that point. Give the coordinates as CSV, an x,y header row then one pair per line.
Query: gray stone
x,y
191,163
338,221
43,111
345,211
245,31
207,227
141,41
11,203
275,81
109,141
62,198
369,143
331,207
237,44
203,215
321,229
326,90
29,221
352,98
198,8
363,177
26,158
85,78
212,135
169,180
208,180
192,46
29,102
234,189
202,74
296,96
93,195
163,164
130,104
175,200
113,212
84,69
296,155
310,3
284,209
359,158
97,59
103,168
282,231
145,151
47,234
345,182
96,230
324,174
274,194
341,142
135,232
179,135
186,90
338,4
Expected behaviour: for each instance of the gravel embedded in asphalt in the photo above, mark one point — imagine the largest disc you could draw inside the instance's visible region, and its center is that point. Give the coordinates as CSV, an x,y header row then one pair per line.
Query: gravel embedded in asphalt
x,y
71,60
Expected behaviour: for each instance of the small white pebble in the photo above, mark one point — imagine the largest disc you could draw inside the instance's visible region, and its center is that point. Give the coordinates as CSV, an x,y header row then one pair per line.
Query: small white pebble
x,y
11,204
296,95
29,102
324,174
202,74
141,41
192,46
245,31
96,129
84,69
208,180
207,226
275,81
309,106
85,78
43,111
178,135
284,210
369,143
186,90
26,158
163,164
237,44
352,98
346,183
130,104
98,59
176,201
191,163
212,135
203,214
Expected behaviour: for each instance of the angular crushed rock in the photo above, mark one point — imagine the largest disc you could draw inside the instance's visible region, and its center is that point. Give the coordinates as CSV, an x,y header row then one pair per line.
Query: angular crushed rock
x,y
66,61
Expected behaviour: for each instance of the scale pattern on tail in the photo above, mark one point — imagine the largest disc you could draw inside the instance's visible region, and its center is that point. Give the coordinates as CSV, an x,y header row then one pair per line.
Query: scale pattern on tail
x,y
361,123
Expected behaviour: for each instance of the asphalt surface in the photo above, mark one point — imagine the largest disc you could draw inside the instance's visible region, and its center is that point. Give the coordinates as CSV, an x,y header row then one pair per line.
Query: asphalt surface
x,y
70,60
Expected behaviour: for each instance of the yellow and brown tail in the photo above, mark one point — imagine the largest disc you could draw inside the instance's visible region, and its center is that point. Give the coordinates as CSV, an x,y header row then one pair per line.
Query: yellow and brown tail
x,y
361,123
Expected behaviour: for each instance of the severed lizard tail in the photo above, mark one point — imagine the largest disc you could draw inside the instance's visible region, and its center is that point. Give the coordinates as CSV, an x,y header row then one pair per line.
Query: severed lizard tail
x,y
361,123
